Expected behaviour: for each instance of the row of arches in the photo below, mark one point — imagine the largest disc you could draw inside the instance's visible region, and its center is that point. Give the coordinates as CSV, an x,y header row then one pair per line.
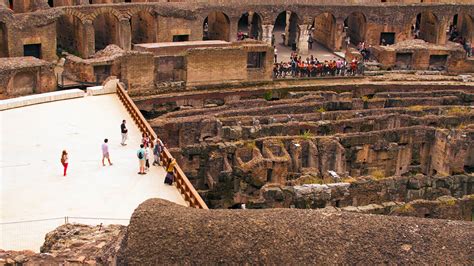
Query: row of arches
x,y
143,28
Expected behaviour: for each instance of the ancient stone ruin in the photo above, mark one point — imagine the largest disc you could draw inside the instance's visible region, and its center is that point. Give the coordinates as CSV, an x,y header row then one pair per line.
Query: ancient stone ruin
x,y
369,166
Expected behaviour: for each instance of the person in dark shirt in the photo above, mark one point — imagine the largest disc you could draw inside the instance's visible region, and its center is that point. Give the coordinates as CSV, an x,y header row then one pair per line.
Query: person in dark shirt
x,y
124,131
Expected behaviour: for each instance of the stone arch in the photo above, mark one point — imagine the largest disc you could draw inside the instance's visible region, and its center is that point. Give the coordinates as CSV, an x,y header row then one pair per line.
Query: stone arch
x,y
286,27
143,27
466,27
324,30
250,24
106,10
69,29
427,27
3,40
106,30
355,26
73,12
22,83
216,26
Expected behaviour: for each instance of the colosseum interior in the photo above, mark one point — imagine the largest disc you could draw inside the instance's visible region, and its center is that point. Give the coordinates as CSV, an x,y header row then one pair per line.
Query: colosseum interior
x,y
374,166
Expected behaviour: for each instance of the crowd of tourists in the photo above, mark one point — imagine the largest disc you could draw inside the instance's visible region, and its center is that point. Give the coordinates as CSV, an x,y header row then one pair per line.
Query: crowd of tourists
x,y
312,67
149,151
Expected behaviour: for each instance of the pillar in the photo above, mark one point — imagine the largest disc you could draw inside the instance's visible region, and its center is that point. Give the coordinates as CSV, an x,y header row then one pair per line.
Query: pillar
x,y
339,36
234,25
249,23
88,39
125,34
303,39
443,25
287,28
267,33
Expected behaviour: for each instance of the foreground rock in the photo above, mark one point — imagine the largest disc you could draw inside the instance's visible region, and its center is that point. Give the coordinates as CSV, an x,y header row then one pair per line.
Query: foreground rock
x,y
165,233
72,244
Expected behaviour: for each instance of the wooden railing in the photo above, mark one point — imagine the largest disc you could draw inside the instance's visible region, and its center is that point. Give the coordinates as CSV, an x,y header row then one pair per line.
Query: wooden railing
x,y
183,184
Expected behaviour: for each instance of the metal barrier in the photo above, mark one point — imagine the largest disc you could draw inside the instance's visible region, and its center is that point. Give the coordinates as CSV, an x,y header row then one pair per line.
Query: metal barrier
x,y
183,184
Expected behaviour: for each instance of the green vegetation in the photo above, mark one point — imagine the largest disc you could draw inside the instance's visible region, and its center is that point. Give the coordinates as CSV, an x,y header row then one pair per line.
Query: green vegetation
x,y
307,135
378,174
320,110
406,208
268,95
458,111
416,108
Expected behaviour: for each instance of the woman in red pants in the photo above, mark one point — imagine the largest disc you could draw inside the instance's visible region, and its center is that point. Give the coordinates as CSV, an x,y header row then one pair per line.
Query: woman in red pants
x,y
64,161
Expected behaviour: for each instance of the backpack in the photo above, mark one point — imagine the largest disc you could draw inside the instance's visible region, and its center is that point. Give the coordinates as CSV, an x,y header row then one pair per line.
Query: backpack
x,y
62,159
140,155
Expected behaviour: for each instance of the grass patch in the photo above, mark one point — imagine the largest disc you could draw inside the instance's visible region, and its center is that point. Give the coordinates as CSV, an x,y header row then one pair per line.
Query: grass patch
x,y
349,180
250,145
378,174
406,208
307,135
458,111
268,95
320,110
416,108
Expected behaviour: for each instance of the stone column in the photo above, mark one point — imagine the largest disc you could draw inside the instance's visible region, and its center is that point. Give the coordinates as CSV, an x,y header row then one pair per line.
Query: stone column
x,y
287,28
267,33
303,39
339,36
88,39
125,34
233,29
443,25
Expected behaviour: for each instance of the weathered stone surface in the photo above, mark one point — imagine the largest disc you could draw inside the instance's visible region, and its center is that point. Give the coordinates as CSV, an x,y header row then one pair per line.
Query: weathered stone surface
x,y
289,236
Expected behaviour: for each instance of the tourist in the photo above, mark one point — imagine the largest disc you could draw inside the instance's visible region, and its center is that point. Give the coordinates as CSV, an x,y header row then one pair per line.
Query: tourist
x,y
283,37
157,152
105,152
310,42
273,39
124,131
169,178
275,53
467,47
145,139
147,156
141,159
64,161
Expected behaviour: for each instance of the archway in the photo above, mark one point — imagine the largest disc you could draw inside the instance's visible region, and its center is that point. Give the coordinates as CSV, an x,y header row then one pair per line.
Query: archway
x,y
216,26
3,40
68,37
324,30
143,27
250,26
427,27
355,26
106,30
466,27
286,29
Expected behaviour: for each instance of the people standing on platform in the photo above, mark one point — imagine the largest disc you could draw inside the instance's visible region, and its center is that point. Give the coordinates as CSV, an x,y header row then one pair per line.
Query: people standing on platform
x,y
169,178
157,150
310,42
124,130
64,161
141,159
147,156
145,139
105,152
275,53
